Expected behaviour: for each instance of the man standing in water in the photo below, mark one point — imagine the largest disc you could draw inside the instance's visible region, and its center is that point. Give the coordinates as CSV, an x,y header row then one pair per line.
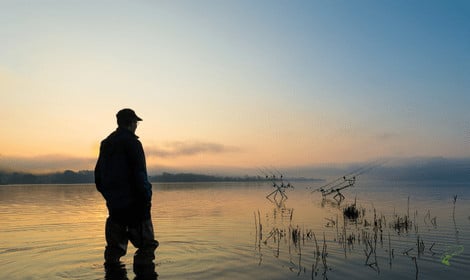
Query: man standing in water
x,y
121,177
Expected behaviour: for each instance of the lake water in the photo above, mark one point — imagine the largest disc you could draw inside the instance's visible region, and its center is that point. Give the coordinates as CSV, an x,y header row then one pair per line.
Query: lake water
x,y
212,231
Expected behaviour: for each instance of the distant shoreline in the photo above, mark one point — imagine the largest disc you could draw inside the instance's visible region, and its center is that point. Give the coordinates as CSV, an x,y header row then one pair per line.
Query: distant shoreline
x,y
432,169
87,177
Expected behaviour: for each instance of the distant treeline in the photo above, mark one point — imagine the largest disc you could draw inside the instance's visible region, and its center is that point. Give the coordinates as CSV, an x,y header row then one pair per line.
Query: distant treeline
x,y
66,177
433,169
191,177
86,176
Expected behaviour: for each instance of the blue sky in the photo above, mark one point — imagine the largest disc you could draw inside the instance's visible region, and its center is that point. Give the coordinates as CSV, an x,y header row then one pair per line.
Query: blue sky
x,y
236,83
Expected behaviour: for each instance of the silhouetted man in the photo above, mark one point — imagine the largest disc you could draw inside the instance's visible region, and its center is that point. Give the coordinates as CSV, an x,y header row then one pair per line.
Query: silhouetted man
x,y
121,177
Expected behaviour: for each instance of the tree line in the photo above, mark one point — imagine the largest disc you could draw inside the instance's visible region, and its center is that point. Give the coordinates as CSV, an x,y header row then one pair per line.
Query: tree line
x,y
87,177
65,177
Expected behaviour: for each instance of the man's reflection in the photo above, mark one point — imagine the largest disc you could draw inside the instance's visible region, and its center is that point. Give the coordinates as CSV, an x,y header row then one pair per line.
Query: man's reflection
x,y
142,271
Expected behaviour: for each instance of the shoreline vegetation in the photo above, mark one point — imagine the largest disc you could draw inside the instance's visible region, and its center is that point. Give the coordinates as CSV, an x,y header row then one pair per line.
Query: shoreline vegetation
x,y
87,177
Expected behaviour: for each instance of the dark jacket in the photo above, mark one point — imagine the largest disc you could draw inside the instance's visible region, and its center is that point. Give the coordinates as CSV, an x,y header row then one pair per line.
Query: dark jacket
x,y
121,177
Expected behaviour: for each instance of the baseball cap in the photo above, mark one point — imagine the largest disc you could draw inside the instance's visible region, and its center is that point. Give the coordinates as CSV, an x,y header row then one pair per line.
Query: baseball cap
x,y
127,115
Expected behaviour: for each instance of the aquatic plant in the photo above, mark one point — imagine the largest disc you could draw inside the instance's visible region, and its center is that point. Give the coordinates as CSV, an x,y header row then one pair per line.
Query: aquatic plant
x,y
451,252
258,228
420,245
355,229
390,250
453,211
351,212
401,224
322,256
416,266
427,218
430,249
295,233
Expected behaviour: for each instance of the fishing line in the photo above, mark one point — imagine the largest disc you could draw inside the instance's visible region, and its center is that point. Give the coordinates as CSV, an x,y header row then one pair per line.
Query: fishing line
x,y
354,173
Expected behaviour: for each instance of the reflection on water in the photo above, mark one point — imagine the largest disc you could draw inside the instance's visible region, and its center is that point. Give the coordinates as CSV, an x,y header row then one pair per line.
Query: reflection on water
x,y
118,271
231,231
387,242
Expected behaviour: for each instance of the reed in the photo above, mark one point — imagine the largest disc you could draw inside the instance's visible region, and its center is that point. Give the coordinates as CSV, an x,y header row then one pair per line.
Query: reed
x,y
256,229
260,227
453,210
323,256
408,251
402,224
368,232
430,249
295,235
420,246
389,250
416,266
369,250
316,245
408,207
427,218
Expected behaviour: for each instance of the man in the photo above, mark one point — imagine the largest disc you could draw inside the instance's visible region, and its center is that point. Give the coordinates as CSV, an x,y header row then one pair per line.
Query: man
x,y
121,177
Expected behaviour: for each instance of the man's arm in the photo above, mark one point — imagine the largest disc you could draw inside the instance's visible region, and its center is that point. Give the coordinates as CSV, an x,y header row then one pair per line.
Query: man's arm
x,y
98,174
142,184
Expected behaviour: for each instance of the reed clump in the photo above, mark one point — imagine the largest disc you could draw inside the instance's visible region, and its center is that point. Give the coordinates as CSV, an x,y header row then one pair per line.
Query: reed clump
x,y
401,224
295,235
351,212
370,235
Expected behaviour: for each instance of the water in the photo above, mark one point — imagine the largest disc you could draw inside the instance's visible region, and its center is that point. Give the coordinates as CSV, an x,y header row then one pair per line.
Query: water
x,y
211,231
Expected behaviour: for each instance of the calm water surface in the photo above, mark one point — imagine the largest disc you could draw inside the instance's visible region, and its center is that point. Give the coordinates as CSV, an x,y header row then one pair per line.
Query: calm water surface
x,y
212,231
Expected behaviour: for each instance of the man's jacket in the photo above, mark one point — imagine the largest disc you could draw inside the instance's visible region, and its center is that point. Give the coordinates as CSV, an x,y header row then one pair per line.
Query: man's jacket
x,y
121,176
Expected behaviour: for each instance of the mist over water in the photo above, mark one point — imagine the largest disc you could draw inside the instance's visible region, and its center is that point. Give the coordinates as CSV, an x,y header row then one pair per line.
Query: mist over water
x,y
212,231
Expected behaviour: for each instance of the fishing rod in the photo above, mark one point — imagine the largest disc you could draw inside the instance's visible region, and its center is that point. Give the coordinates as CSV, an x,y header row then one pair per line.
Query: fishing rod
x,y
268,174
350,176
373,165
289,185
343,177
279,189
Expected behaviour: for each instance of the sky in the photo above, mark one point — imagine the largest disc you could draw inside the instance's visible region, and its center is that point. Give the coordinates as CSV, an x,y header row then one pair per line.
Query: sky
x,y
222,85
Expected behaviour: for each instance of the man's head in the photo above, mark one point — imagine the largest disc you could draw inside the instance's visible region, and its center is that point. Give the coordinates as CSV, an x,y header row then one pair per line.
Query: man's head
x,y
127,118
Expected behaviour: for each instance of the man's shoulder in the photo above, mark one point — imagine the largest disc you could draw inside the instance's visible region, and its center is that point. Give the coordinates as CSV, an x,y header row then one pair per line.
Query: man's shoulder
x,y
124,133
127,136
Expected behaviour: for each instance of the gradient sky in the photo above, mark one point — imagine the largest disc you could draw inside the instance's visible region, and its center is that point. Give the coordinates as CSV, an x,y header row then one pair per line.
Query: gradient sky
x,y
226,84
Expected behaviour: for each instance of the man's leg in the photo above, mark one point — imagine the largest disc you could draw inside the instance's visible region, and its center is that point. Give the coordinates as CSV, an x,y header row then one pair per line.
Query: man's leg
x,y
143,238
116,240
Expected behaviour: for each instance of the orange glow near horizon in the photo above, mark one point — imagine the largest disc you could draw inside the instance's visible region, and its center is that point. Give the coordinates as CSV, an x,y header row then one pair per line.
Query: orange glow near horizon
x,y
266,93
